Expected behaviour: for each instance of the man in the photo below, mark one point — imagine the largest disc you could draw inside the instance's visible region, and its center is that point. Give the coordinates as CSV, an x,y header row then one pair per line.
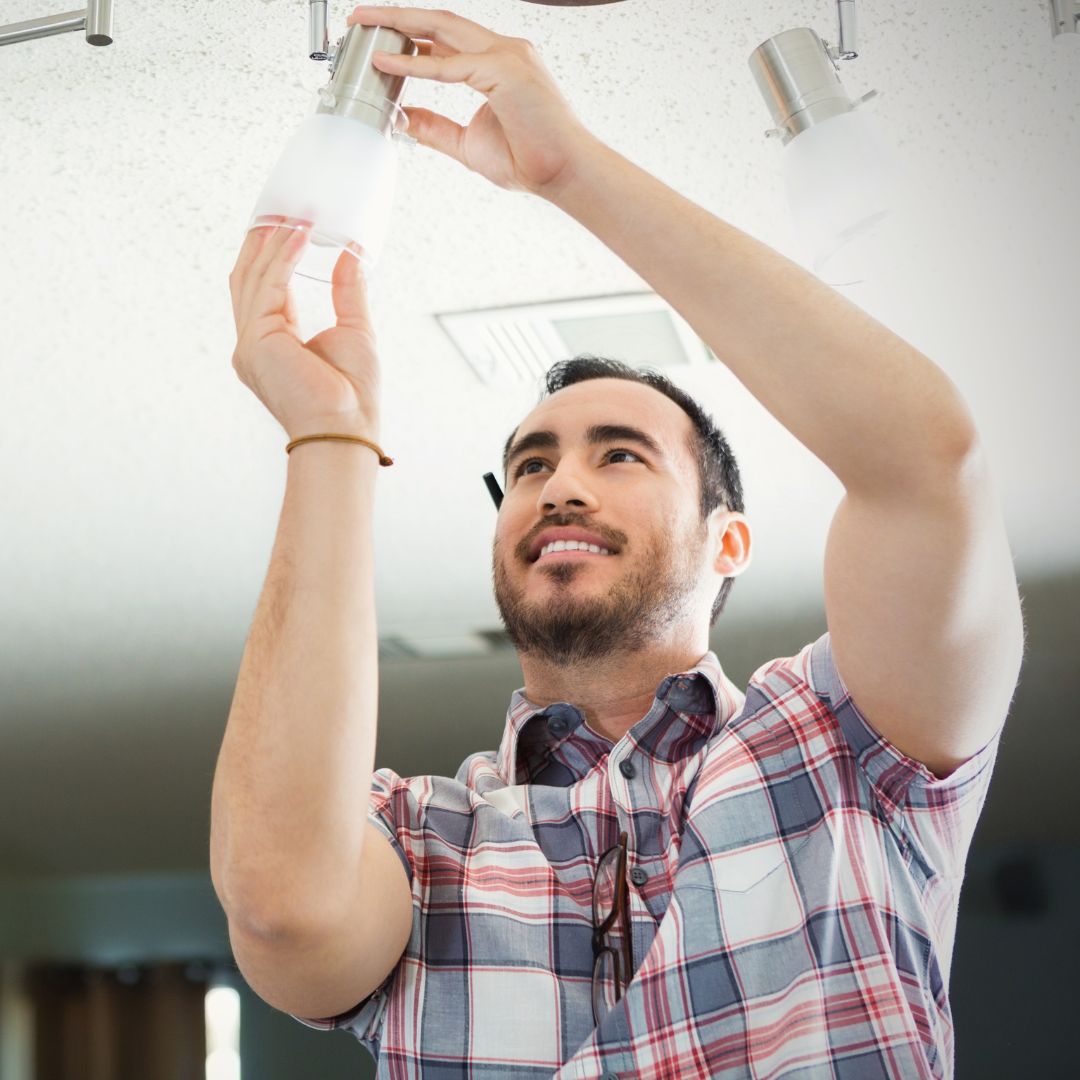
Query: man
x,y
655,875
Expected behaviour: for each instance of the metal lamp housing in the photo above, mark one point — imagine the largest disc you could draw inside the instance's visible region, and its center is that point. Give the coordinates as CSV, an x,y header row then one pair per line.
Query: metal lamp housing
x,y
799,81
839,172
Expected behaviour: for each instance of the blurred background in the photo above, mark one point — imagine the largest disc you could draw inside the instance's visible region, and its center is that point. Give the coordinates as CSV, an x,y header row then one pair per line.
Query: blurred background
x,y
142,481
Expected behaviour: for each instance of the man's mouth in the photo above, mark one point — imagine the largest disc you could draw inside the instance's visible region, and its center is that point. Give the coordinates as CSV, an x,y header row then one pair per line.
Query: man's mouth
x,y
571,549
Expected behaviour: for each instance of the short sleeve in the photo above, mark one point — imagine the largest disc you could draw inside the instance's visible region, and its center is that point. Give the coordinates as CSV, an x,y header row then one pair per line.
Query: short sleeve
x,y
938,813
394,810
365,1020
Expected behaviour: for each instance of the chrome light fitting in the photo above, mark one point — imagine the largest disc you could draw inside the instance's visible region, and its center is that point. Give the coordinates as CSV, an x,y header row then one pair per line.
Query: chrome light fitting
x,y
335,179
96,20
1064,17
796,73
318,35
838,171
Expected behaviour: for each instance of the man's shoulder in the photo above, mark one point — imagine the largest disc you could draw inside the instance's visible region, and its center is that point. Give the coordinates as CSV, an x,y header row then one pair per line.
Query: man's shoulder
x,y
784,680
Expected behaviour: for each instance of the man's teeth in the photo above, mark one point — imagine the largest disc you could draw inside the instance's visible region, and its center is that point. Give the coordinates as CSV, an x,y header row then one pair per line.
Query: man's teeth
x,y
572,545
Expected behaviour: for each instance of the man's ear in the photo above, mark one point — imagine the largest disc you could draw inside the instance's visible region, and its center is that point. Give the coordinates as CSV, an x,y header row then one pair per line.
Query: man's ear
x,y
734,540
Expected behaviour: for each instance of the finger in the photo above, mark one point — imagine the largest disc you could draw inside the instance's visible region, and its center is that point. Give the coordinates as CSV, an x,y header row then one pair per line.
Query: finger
x,y
268,283
289,311
426,48
253,241
480,71
252,282
349,293
279,269
252,245
433,48
443,27
438,132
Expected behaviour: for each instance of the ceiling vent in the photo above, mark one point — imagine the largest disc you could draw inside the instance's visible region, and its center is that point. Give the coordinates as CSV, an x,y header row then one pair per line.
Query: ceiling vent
x,y
506,346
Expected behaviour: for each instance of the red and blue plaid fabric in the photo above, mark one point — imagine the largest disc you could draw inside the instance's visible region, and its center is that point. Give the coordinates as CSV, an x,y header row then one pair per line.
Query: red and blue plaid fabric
x,y
793,882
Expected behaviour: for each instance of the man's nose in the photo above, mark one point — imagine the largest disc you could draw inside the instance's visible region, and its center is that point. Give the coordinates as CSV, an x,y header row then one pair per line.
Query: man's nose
x,y
568,485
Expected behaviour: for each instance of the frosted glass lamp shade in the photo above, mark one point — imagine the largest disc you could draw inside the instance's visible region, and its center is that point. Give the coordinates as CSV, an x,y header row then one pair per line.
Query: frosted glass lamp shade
x,y
336,177
841,178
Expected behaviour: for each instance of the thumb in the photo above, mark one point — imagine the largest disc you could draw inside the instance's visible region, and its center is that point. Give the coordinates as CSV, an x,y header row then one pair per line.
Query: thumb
x,y
349,293
435,131
351,352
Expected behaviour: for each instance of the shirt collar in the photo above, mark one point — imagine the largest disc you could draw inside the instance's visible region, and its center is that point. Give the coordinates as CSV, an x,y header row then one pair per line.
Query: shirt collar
x,y
702,693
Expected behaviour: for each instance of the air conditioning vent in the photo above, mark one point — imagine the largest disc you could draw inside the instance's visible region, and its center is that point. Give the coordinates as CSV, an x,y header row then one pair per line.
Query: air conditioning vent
x,y
510,345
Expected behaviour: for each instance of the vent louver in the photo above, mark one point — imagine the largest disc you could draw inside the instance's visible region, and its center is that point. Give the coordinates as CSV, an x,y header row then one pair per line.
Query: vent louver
x,y
506,346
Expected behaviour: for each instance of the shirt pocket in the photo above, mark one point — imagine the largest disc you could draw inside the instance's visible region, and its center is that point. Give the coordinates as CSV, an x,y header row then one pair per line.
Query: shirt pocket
x,y
753,895
745,868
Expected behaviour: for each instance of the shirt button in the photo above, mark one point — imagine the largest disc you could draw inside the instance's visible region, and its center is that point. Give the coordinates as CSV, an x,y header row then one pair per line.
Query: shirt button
x,y
627,768
557,725
638,876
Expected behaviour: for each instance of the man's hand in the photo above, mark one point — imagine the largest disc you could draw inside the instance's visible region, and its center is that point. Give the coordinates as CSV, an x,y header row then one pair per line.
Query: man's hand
x,y
330,383
526,134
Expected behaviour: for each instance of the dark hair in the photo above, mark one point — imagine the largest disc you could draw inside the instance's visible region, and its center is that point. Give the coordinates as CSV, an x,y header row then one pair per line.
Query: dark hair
x,y
718,471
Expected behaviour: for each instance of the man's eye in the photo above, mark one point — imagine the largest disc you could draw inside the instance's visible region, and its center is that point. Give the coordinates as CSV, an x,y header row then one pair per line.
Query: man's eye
x,y
521,469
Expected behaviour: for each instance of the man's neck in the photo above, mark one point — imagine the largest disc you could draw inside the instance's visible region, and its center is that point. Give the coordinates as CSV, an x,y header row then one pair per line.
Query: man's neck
x,y
613,694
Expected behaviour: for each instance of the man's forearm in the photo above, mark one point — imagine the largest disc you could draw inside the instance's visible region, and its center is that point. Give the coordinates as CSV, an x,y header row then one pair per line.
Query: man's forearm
x,y
293,777
874,409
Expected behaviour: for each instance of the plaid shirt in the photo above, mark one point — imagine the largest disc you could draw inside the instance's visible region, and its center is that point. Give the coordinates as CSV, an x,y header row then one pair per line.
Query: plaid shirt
x,y
793,881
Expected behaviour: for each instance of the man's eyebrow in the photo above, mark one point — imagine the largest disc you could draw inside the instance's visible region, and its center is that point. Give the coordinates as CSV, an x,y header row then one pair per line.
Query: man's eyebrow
x,y
598,433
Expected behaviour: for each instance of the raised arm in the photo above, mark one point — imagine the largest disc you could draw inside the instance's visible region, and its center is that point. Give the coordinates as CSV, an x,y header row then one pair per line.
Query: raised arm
x,y
318,903
921,598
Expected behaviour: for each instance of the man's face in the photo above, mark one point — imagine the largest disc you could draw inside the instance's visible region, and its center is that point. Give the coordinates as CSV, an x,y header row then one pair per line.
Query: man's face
x,y
639,502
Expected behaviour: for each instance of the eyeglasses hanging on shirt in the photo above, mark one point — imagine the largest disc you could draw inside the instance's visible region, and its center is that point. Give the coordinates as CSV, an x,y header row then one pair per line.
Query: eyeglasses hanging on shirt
x,y
611,967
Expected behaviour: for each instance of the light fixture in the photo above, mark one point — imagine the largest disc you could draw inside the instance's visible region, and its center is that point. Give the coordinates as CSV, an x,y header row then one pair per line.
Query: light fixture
x,y
1065,25
96,20
1065,20
839,170
335,178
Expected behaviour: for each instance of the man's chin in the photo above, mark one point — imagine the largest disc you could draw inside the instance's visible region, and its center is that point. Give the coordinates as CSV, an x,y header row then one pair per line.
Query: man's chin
x,y
567,640
562,570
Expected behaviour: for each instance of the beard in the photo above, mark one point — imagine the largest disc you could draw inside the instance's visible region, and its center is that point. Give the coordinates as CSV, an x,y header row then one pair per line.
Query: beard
x,y
567,629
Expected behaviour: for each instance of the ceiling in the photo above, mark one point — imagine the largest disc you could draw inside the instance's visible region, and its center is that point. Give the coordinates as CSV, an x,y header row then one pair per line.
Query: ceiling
x,y
142,480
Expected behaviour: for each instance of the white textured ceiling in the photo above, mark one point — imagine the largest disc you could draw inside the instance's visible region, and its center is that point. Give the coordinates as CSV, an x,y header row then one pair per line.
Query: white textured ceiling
x,y
142,481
